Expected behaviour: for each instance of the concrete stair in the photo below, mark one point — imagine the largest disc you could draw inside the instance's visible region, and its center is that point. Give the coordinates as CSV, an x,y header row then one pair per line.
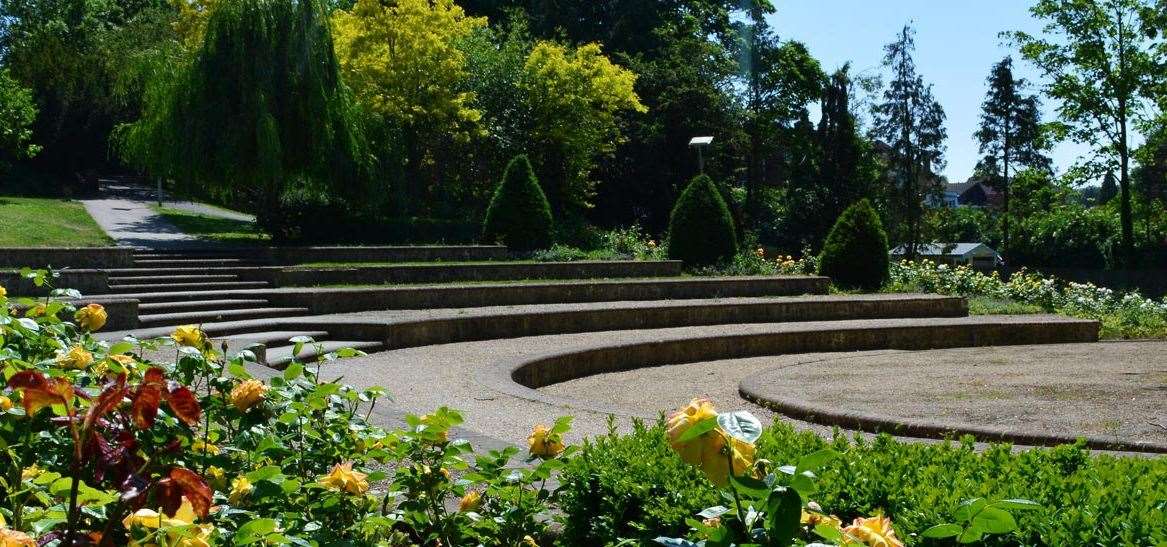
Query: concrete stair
x,y
139,287
208,316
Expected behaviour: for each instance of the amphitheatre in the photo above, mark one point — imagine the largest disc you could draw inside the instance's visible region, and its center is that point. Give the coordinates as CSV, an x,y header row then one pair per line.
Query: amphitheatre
x,y
510,343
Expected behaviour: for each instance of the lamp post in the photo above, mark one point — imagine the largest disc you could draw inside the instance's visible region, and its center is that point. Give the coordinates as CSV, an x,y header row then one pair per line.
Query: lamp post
x,y
699,143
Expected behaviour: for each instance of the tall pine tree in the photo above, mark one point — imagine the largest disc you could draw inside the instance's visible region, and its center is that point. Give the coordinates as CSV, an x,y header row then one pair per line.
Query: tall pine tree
x,y
779,79
841,166
1010,133
911,122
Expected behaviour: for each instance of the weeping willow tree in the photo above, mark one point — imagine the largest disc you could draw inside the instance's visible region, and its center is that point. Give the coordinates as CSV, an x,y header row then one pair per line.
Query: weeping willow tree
x,y
258,109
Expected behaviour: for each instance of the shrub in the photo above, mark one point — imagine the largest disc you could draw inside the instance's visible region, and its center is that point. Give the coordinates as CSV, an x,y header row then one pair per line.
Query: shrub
x,y
701,228
634,487
855,253
519,215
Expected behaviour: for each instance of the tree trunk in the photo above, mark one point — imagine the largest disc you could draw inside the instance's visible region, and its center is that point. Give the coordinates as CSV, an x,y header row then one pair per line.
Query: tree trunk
x,y
1128,231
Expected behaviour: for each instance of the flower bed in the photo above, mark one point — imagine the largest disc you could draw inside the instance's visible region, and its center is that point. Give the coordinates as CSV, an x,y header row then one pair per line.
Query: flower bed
x,y
103,446
1123,315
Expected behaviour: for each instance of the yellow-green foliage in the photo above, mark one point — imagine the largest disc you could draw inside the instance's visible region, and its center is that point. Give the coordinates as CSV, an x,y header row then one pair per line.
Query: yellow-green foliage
x,y
403,62
574,96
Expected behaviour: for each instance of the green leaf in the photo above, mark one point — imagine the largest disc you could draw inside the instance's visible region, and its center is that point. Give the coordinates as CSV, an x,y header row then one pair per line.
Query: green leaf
x,y
1016,504
293,371
995,521
828,532
784,514
698,429
750,487
120,347
972,534
740,425
815,461
237,370
941,531
254,531
968,508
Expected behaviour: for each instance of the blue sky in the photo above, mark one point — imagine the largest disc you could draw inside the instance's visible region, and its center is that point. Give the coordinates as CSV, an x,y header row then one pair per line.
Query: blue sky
x,y
956,45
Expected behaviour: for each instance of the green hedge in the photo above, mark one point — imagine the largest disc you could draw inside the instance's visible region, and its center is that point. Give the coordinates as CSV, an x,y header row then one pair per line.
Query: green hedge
x,y
519,215
635,487
701,230
855,253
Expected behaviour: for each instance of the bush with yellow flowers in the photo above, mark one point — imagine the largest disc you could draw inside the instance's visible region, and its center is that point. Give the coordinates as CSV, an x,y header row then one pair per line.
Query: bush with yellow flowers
x,y
103,446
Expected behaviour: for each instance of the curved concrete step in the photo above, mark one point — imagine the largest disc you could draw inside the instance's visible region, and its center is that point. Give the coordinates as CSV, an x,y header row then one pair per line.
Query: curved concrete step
x,y
192,305
177,287
279,357
195,262
208,316
166,279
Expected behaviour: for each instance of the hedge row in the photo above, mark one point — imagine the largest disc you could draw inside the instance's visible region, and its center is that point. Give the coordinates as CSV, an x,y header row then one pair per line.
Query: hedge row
x,y
634,486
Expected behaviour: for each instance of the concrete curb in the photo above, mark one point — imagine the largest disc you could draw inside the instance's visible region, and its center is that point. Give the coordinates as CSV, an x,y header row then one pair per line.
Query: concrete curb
x,y
873,423
522,377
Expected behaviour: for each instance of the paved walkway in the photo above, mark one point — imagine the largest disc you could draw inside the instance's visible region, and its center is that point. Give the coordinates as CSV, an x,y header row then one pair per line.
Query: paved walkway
x,y
124,211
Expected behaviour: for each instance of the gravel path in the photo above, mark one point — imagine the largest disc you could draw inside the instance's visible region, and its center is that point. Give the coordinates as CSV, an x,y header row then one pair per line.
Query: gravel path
x,y
424,378
123,211
1114,389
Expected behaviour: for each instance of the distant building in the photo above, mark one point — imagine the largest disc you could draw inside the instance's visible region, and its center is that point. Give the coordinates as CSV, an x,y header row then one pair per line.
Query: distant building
x,y
972,193
977,255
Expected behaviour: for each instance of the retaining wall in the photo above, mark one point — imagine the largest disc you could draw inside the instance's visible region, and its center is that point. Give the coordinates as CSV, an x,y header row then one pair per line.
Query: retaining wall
x,y
73,257
86,281
342,300
502,271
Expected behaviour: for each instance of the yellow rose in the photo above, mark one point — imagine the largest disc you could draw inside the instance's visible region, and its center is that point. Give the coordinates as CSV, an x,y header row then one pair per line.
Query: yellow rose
x,y
873,532
125,361
3,292
812,519
247,394
445,472
544,444
76,358
14,538
216,477
470,502
189,335
342,478
709,451
91,317
30,472
5,404
184,533
529,541
240,489
202,447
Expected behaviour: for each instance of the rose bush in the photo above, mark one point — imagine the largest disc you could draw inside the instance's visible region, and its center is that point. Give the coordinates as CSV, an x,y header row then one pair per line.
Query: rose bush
x,y
103,446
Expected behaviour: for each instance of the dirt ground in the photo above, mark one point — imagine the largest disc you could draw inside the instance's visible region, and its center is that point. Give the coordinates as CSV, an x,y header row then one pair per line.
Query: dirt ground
x,y
1114,389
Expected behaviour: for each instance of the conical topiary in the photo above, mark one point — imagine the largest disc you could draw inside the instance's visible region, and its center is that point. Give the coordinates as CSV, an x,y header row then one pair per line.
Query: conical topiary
x,y
855,253
519,215
701,229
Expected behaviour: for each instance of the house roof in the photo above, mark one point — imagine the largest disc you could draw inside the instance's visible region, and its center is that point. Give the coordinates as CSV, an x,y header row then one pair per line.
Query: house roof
x,y
937,249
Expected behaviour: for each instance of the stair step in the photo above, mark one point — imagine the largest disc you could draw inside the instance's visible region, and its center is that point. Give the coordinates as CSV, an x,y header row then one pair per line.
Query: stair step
x,y
182,270
177,287
194,262
208,316
279,357
156,279
191,305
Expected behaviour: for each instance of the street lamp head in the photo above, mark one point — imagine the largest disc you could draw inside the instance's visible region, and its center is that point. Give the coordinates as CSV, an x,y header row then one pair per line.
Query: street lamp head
x,y
701,141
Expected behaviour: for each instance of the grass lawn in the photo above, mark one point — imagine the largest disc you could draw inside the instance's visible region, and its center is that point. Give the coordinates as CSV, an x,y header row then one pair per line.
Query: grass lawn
x,y
214,228
48,222
980,305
